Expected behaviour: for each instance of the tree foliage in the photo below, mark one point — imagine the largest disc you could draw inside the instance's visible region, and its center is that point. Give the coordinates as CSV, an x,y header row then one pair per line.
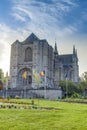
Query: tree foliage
x,y
70,87
84,77
74,89
1,74
1,79
83,83
1,85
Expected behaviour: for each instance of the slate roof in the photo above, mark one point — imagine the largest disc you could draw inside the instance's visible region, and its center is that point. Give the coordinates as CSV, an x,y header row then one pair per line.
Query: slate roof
x,y
66,59
31,38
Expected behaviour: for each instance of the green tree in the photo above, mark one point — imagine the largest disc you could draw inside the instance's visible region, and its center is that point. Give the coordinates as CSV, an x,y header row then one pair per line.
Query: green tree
x,y
84,77
70,87
1,85
1,79
1,74
84,83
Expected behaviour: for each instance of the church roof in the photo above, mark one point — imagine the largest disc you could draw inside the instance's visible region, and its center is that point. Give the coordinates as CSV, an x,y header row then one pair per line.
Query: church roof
x,y
68,58
31,38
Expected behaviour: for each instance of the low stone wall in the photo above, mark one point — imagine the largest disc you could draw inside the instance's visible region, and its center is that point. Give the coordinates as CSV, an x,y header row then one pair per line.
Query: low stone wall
x,y
49,94
33,93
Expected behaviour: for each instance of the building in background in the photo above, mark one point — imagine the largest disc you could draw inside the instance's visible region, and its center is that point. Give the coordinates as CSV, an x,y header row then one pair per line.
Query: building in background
x,y
66,66
33,56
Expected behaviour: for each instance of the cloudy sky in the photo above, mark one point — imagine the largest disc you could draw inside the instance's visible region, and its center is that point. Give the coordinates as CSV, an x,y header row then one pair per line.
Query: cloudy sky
x,y
63,20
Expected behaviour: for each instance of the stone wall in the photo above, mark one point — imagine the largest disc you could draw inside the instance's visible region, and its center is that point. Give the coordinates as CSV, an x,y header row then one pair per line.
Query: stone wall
x,y
33,93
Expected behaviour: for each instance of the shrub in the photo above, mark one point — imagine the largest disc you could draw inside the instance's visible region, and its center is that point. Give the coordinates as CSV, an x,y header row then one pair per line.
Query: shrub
x,y
32,102
8,98
1,97
17,97
76,95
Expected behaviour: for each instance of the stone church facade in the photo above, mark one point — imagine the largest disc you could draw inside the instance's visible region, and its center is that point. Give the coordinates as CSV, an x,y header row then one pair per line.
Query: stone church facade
x,y
34,55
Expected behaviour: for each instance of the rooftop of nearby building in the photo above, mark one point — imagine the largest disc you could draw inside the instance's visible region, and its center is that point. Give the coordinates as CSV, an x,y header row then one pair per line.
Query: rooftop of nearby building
x,y
67,58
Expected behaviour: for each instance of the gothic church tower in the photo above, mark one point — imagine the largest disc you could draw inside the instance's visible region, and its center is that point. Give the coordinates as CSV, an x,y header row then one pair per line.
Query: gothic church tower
x,y
29,57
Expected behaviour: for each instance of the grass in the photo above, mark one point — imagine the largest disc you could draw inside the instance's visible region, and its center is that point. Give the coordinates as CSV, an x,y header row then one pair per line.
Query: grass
x,y
70,116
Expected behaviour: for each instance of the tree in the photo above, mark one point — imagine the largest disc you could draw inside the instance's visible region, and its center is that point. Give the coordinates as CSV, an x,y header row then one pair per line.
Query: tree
x,y
84,83
71,87
1,74
84,77
4,79
36,77
1,85
1,79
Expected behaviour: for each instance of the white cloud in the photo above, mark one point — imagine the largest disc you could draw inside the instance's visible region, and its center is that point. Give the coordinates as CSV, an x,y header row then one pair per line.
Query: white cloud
x,y
84,15
7,37
70,2
43,15
46,20
19,17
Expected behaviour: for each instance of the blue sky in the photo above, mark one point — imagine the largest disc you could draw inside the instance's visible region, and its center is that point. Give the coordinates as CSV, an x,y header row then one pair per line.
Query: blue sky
x,y
63,20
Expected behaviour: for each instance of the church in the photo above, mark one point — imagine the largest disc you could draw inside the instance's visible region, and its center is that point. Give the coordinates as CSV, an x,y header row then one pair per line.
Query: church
x,y
34,56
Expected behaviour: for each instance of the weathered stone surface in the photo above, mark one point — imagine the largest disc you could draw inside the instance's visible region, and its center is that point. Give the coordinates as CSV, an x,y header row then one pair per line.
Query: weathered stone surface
x,y
33,56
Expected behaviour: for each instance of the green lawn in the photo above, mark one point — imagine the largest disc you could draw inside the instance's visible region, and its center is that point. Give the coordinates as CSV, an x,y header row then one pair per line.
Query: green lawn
x,y
69,117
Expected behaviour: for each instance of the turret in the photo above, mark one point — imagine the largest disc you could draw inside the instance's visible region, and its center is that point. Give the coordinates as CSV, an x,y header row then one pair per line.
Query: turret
x,y
56,51
74,50
75,57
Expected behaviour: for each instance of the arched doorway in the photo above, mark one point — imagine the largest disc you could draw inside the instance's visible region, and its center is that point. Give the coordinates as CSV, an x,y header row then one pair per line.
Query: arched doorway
x,y
25,77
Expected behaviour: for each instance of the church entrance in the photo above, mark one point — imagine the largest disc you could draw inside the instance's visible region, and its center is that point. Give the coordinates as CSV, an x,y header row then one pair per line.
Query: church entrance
x,y
25,77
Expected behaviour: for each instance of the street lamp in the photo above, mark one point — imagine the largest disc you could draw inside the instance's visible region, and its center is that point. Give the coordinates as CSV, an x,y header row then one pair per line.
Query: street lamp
x,y
66,85
66,88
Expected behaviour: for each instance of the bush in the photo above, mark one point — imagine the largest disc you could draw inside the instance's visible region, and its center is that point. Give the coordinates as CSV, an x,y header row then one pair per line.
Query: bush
x,y
1,85
1,97
76,95
8,98
17,97
32,102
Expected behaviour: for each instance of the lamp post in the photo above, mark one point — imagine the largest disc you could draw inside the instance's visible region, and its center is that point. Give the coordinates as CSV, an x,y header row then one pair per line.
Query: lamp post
x,y
25,95
6,90
45,91
6,85
45,85
24,76
66,88
43,74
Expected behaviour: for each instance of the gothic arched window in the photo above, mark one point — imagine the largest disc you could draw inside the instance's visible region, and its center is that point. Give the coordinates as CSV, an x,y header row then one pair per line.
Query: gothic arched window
x,y
28,54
